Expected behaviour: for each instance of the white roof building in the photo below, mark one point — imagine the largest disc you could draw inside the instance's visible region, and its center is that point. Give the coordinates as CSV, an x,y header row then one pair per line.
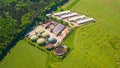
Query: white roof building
x,y
77,18
61,13
85,20
48,14
67,16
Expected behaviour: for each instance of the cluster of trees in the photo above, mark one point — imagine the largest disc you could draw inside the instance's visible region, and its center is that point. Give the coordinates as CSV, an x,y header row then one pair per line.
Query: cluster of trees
x,y
17,16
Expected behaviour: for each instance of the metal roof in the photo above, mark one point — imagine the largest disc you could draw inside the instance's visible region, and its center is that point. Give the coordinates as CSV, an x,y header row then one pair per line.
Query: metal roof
x,y
63,12
85,20
77,18
59,28
69,15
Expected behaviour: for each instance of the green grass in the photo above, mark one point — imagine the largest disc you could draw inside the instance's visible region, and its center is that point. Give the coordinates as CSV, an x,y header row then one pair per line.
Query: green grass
x,y
73,4
24,55
95,45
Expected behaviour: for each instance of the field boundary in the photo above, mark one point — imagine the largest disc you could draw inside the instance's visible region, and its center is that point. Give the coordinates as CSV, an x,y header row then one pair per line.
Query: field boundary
x,y
73,4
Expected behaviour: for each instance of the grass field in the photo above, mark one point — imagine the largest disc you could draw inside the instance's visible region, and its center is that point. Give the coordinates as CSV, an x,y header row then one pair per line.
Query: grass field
x,y
24,55
95,45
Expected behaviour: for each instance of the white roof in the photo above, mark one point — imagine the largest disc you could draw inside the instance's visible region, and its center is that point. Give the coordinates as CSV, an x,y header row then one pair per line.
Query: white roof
x,y
76,18
63,12
48,14
85,20
69,15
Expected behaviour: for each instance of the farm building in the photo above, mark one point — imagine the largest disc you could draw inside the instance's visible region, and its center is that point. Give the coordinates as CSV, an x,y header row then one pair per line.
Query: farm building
x,y
59,50
62,13
49,46
85,21
58,29
77,18
50,24
34,38
67,16
73,19
48,14
41,41
52,40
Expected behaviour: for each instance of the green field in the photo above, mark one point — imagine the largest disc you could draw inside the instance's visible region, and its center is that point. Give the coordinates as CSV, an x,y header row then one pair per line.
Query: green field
x,y
95,45
24,55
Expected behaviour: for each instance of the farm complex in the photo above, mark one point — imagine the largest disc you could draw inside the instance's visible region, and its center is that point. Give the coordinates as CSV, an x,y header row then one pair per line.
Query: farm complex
x,y
51,33
67,36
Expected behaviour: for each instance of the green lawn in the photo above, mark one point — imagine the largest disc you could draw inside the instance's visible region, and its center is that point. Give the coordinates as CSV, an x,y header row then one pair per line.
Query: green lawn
x,y
24,55
95,45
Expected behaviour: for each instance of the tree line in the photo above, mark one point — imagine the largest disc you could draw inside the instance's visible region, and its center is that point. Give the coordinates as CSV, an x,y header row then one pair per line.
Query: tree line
x,y
17,16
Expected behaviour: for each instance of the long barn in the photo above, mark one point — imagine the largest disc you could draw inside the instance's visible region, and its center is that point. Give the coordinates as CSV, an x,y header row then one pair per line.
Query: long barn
x,y
85,21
